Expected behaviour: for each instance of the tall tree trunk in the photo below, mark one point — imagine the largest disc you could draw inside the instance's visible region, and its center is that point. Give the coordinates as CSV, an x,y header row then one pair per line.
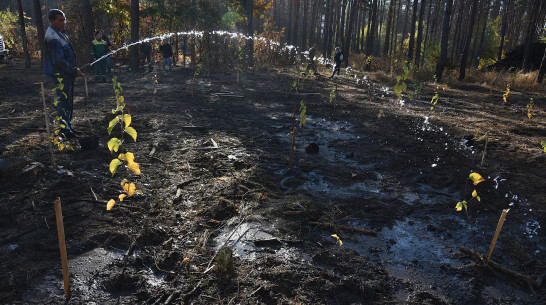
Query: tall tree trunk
x,y
406,16
294,25
457,34
464,58
495,10
305,17
341,32
250,33
542,69
412,30
312,38
420,34
352,15
374,28
530,33
482,38
88,26
23,33
425,41
37,9
135,19
506,9
443,45
326,29
388,30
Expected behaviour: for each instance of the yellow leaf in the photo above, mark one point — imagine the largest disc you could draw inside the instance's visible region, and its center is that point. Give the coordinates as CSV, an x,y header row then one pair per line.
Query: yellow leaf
x,y
61,146
122,157
110,204
114,165
129,188
113,124
130,157
479,199
474,194
186,259
113,144
134,167
476,178
338,239
132,132
459,206
121,197
127,120
123,182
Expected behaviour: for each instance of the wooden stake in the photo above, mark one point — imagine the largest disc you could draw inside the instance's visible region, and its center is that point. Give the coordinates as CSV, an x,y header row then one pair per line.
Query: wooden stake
x,y
484,151
497,232
18,118
335,97
47,127
62,246
292,147
86,92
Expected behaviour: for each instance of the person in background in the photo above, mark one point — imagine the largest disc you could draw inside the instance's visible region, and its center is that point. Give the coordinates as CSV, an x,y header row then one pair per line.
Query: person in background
x,y
109,62
337,62
311,63
60,64
99,48
167,51
146,53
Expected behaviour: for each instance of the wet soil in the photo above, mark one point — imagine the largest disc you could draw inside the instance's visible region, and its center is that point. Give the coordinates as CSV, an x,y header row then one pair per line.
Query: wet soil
x,y
223,219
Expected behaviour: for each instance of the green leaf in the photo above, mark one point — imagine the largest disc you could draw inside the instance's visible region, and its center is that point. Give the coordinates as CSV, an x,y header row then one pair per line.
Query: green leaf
x,y
113,124
113,144
460,206
114,165
398,89
132,132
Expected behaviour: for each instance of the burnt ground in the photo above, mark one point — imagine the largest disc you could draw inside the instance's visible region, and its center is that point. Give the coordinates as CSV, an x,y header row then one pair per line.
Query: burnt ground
x,y
217,189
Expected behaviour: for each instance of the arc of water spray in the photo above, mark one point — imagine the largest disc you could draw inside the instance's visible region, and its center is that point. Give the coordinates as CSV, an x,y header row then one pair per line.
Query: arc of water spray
x,y
232,35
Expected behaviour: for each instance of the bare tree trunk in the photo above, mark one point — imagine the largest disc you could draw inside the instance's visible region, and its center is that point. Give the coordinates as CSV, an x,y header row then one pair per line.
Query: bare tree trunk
x,y
482,38
388,30
294,25
135,33
542,69
464,58
326,29
412,30
354,8
304,17
250,33
445,36
23,33
312,38
420,33
37,9
530,33
88,26
406,16
506,9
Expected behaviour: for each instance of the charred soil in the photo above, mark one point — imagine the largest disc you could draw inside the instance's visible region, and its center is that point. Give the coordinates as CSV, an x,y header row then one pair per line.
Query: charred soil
x,y
217,190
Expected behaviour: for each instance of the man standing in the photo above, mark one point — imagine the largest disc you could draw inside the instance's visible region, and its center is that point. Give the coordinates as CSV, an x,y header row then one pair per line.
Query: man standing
x,y
60,64
311,63
99,48
337,62
167,51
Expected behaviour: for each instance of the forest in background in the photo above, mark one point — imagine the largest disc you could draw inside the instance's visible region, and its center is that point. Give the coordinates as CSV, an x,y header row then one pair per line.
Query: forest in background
x,y
439,37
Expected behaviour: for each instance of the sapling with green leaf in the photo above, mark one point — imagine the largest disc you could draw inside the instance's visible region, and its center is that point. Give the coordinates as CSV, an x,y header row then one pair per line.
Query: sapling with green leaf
x,y
476,179
543,144
123,120
56,137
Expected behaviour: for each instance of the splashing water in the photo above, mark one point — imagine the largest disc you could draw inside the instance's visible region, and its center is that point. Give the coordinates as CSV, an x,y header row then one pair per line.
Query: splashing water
x,y
231,35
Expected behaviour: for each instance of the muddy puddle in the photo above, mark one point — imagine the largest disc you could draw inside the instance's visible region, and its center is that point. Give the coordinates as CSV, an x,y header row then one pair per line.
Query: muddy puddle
x,y
95,277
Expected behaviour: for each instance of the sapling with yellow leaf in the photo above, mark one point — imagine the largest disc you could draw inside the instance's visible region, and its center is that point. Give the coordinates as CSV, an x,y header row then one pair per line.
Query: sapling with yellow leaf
x,y
123,120
476,179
